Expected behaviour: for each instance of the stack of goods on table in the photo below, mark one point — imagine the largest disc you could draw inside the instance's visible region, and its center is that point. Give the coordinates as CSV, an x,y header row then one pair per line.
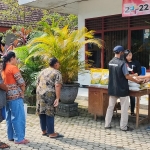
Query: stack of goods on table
x,y
145,85
133,86
99,77
136,87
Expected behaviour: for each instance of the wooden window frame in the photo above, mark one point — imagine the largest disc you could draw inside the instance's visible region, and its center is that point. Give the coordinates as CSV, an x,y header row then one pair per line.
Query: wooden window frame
x,y
129,28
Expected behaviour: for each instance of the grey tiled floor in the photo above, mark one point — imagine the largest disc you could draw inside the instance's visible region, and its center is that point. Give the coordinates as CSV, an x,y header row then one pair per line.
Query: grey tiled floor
x,y
82,133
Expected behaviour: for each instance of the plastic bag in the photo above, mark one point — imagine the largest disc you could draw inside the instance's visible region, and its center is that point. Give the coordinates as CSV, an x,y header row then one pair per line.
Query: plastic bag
x,y
134,88
105,77
96,76
25,110
133,84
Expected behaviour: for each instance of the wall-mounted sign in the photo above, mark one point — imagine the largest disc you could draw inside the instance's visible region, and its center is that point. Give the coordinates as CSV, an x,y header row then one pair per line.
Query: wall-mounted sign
x,y
135,7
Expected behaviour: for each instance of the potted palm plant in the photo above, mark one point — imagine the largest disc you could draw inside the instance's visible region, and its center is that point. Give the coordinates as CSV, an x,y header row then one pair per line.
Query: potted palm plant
x,y
65,45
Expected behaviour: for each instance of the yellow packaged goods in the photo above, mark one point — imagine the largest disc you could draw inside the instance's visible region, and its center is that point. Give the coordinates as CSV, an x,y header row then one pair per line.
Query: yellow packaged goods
x,y
105,77
145,85
96,76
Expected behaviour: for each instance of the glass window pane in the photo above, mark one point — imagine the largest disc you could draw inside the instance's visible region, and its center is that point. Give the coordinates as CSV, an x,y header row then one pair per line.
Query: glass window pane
x,y
95,59
112,39
140,46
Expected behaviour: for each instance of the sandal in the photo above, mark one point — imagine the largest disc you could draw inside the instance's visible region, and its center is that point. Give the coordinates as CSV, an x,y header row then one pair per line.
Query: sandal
x,y
3,145
25,141
58,136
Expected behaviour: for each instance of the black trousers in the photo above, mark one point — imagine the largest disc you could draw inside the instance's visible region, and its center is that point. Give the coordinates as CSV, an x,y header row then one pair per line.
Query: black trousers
x,y
132,103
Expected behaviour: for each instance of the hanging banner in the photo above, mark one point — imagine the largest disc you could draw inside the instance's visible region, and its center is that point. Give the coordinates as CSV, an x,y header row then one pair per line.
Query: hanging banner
x,y
135,7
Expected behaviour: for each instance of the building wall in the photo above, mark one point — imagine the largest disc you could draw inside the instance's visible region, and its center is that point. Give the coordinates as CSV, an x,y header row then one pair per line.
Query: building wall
x,y
21,2
92,9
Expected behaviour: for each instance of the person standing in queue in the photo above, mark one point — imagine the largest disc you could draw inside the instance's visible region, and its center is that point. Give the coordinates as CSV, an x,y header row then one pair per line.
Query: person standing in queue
x,y
15,114
3,90
134,68
48,89
118,88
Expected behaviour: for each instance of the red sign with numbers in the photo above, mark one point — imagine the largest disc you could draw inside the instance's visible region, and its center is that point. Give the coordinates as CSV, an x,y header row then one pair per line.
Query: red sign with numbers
x,y
135,7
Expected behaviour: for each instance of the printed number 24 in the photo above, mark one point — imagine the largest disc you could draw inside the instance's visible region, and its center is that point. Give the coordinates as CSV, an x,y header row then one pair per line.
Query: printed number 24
x,y
143,7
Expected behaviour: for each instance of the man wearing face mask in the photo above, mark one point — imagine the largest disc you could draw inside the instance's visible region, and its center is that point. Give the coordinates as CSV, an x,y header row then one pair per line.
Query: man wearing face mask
x,y
118,89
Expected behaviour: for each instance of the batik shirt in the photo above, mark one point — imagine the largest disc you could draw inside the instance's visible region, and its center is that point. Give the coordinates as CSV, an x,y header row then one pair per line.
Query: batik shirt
x,y
13,80
45,92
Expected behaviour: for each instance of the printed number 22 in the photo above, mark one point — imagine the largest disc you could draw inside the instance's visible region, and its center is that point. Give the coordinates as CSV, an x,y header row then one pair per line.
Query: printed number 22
x,y
143,7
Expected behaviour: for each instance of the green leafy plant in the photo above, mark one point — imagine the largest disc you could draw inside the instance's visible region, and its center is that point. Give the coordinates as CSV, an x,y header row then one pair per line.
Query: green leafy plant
x,y
65,45
60,20
29,70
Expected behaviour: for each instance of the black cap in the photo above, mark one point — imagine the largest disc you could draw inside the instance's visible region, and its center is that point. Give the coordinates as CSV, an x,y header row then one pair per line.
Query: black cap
x,y
52,61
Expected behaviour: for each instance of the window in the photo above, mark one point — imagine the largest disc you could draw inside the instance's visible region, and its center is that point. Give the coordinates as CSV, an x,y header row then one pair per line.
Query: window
x,y
113,38
131,32
140,46
95,59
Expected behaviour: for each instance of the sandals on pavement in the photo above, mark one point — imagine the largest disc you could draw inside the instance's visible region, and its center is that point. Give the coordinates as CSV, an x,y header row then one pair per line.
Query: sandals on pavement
x,y
3,145
58,136
25,141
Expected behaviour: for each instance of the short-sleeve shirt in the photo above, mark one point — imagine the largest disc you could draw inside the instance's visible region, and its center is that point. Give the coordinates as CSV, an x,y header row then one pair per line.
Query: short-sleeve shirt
x,y
47,79
45,92
125,70
134,67
2,95
13,80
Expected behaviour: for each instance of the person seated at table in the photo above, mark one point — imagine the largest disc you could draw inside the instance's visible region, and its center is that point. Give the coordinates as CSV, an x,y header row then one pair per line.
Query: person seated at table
x,y
134,68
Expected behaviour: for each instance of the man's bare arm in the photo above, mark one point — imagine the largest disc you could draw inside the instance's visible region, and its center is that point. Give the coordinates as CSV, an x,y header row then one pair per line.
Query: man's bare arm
x,y
144,77
57,90
131,78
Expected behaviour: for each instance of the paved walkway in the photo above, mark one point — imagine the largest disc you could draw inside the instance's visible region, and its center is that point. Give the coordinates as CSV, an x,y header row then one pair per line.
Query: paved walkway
x,y
82,133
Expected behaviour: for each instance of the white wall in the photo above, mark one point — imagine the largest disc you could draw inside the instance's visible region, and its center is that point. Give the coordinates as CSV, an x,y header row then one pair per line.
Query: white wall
x,y
21,2
92,9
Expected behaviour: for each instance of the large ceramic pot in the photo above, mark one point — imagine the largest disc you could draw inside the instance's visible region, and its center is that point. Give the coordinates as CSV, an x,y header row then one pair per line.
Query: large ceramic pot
x,y
69,93
67,107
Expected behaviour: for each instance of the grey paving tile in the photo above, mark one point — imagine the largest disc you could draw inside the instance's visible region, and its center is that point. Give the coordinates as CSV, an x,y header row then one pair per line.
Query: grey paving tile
x,y
81,133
